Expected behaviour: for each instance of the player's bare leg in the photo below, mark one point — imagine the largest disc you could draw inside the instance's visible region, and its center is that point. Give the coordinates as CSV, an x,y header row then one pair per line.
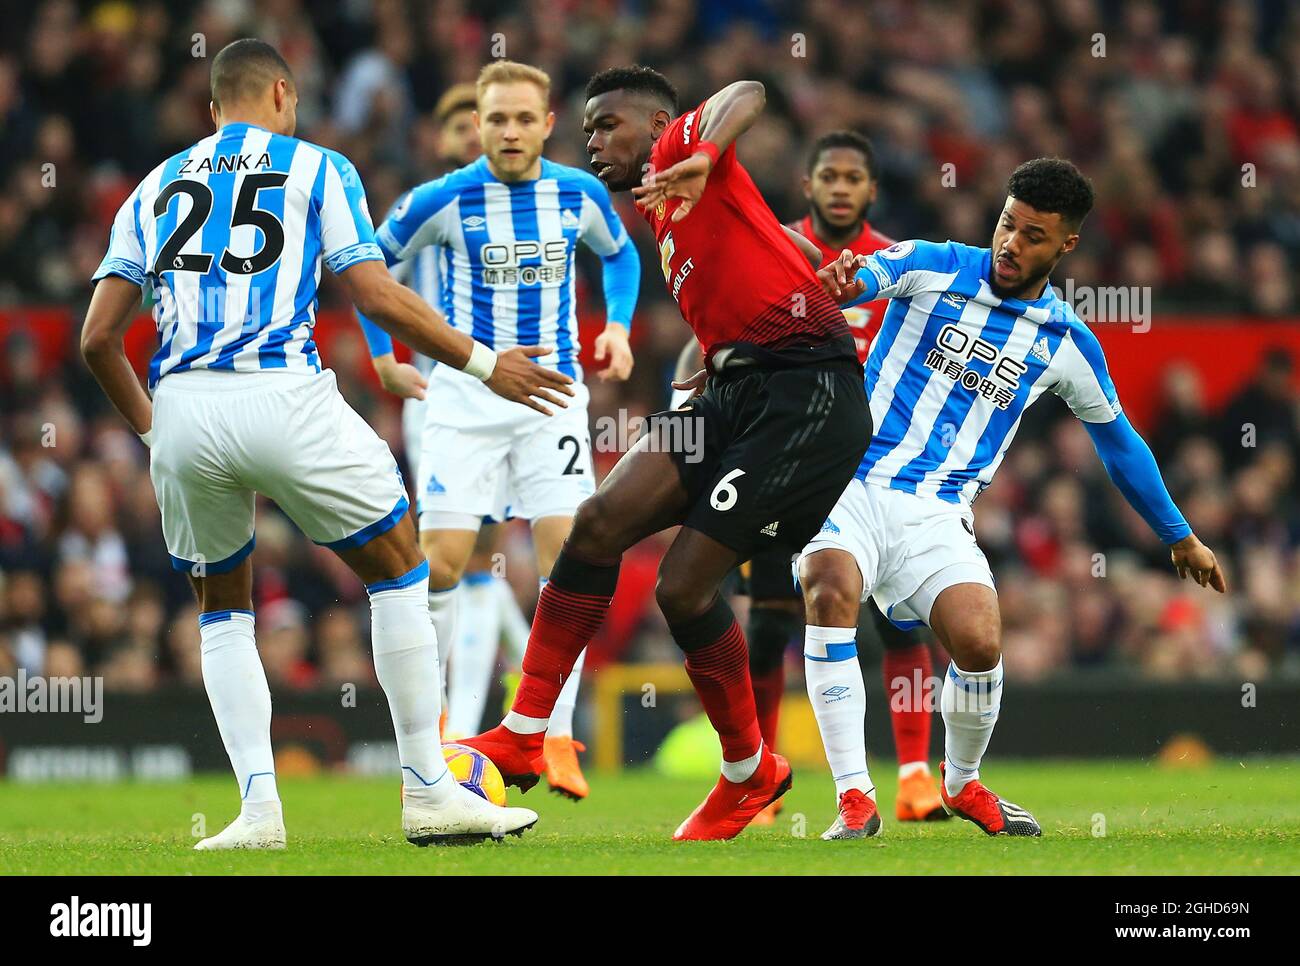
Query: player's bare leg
x,y
702,624
563,772
832,589
241,703
966,620
435,808
642,495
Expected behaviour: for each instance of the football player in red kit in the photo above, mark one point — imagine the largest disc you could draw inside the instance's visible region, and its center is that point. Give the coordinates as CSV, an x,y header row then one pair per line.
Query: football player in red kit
x,y
780,407
841,186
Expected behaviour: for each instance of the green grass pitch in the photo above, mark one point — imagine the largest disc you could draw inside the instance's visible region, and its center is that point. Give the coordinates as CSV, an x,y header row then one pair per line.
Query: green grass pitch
x,y
1227,818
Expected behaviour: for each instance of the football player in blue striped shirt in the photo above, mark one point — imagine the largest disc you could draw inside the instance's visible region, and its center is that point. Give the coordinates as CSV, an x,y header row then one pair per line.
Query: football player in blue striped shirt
x,y
497,240
230,234
972,337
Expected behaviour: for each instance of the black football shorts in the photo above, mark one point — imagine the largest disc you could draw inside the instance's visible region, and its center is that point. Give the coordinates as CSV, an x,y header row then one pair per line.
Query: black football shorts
x,y
764,454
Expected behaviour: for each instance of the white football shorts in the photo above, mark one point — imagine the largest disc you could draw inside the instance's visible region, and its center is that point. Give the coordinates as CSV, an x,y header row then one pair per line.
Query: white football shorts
x,y
484,457
908,548
219,438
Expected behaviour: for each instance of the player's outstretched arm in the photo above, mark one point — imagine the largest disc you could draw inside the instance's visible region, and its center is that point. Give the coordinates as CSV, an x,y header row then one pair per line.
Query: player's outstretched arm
x,y
511,374
1133,469
113,307
725,116
809,250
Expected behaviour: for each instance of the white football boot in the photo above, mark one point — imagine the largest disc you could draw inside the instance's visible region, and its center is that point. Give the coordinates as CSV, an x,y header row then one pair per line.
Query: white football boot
x,y
462,817
263,832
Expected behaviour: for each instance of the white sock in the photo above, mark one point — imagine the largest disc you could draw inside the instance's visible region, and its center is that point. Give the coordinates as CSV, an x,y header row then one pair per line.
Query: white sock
x,y
514,626
743,770
913,767
241,701
561,725
970,701
406,663
470,676
443,608
839,700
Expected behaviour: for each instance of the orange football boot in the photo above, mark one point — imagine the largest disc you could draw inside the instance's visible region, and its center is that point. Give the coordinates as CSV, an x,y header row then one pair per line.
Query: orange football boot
x,y
977,804
521,759
918,799
732,805
563,773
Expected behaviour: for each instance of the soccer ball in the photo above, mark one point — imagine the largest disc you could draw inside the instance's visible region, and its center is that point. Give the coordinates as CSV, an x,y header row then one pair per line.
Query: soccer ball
x,y
475,772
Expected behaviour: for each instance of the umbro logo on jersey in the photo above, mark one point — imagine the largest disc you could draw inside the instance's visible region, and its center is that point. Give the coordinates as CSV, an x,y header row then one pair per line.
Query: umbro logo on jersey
x,y
568,219
1040,351
770,529
474,223
955,300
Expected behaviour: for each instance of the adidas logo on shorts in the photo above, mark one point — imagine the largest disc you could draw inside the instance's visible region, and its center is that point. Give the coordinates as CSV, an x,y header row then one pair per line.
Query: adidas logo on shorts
x,y
770,529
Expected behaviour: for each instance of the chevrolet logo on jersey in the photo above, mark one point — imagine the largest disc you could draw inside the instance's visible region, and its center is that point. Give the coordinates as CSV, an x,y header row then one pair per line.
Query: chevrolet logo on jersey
x,y
503,262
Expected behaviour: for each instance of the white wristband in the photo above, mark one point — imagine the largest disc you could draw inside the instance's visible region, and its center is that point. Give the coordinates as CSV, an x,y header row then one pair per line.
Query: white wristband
x,y
147,437
482,361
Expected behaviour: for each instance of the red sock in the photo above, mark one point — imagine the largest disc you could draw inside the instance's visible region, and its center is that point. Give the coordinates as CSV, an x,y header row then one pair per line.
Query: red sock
x,y
769,689
718,664
907,670
570,610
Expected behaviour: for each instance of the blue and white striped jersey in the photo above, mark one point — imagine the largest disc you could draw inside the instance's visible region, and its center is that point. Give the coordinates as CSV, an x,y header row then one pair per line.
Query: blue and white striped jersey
x,y
501,255
953,367
231,234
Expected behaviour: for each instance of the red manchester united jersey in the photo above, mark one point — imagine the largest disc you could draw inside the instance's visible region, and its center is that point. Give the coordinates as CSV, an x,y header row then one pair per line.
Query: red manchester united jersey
x,y
864,320
736,275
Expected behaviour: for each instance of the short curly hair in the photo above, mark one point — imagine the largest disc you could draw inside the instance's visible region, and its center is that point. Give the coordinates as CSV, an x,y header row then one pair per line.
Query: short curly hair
x,y
644,80
1053,184
844,139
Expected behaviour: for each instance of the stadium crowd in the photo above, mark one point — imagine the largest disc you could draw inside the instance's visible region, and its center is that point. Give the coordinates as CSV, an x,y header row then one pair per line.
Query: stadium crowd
x,y
1184,114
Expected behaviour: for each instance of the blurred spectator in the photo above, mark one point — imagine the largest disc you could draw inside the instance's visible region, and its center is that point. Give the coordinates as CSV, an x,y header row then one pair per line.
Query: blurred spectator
x,y
1185,117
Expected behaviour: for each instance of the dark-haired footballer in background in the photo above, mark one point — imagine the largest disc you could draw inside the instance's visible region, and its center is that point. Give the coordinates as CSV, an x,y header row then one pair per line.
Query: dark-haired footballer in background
x,y
972,336
784,419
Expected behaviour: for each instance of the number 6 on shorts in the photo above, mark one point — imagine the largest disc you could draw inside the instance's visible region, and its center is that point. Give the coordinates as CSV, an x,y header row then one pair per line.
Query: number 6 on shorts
x,y
724,495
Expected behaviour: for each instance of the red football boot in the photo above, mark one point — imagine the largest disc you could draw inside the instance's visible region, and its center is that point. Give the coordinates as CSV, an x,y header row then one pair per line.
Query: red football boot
x,y
857,818
732,805
521,759
977,804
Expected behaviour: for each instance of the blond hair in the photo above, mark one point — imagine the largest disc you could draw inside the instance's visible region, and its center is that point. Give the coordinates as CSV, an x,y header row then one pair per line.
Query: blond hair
x,y
509,72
